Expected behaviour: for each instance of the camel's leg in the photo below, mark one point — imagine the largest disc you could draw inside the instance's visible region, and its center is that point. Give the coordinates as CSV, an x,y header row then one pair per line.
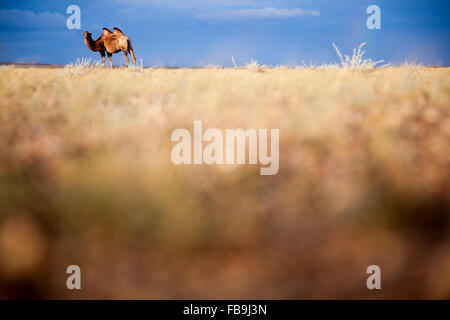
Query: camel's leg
x,y
102,53
126,57
110,59
132,55
130,50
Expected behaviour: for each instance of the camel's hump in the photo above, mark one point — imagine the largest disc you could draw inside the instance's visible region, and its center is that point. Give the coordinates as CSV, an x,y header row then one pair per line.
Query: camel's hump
x,y
106,32
117,31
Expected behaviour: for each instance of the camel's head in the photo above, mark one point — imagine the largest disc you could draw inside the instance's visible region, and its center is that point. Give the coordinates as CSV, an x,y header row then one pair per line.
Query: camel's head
x,y
86,34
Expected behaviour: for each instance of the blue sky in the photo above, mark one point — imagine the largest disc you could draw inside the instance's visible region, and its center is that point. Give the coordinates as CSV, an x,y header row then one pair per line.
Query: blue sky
x,y
203,32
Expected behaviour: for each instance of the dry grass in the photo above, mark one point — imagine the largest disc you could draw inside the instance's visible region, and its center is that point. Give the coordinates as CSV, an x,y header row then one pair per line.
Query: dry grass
x,y
356,61
86,178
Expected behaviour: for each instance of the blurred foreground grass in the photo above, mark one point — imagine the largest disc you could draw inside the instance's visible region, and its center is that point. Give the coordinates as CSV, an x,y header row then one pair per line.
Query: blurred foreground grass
x,y
86,178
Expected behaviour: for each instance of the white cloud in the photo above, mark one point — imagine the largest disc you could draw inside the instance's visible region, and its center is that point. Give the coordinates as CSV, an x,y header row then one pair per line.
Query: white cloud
x,y
264,13
29,59
196,4
31,20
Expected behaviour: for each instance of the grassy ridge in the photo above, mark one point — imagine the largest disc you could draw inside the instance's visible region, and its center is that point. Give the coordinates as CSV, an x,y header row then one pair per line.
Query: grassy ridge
x,y
86,178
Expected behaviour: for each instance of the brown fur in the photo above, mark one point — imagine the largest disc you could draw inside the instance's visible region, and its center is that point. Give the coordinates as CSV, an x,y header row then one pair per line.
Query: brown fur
x,y
110,42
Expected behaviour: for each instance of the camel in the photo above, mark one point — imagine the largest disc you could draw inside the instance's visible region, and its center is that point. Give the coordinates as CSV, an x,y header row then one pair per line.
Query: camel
x,y
110,42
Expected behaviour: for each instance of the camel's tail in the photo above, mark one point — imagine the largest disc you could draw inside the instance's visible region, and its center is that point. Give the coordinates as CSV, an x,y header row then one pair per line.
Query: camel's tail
x,y
130,50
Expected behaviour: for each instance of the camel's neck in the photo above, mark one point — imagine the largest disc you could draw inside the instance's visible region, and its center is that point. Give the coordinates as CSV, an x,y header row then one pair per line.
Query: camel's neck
x,y
91,44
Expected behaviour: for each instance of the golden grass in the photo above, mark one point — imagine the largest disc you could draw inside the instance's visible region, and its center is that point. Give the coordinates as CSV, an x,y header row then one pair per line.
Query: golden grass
x,y
86,178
